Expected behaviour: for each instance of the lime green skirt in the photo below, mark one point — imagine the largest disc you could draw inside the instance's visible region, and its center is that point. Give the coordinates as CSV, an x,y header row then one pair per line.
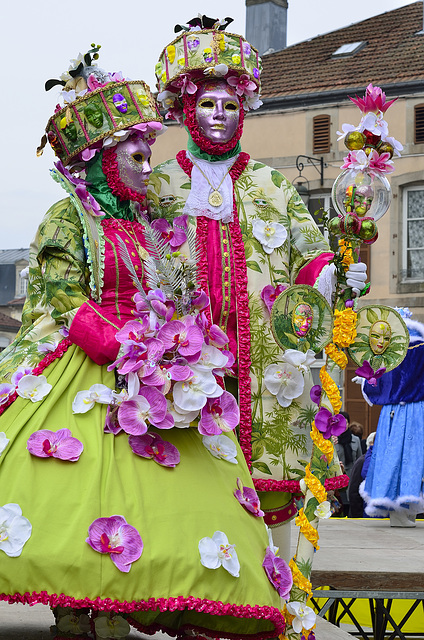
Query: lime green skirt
x,y
173,509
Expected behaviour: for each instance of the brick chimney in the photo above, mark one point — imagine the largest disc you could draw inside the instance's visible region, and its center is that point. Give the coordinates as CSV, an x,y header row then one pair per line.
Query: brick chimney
x,y
266,24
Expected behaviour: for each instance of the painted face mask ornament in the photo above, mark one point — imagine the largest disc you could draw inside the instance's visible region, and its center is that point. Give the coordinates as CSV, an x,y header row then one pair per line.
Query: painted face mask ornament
x,y
127,168
380,335
302,319
120,103
217,111
94,115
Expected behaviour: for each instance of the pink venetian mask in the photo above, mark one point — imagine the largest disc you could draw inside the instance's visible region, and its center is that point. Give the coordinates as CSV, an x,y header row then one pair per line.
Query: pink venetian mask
x,y
217,111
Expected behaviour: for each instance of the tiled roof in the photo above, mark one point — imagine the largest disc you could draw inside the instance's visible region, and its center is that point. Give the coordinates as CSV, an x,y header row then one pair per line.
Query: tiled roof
x,y
6,322
394,54
10,256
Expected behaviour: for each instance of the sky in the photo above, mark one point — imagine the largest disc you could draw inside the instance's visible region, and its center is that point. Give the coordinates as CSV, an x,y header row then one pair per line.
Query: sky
x,y
39,38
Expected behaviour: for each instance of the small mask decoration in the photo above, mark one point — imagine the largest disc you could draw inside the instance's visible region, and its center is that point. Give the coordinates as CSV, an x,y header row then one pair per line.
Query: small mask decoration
x,y
380,336
94,115
120,103
302,318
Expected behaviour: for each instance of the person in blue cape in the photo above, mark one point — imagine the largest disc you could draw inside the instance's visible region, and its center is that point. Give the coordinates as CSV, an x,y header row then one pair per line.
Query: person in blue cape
x,y
394,483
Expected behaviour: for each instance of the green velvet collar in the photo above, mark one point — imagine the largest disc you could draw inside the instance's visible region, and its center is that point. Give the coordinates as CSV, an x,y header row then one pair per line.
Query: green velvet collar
x,y
98,187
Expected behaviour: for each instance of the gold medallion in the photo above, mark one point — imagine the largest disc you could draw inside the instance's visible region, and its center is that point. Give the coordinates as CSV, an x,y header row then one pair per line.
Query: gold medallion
x,y
215,199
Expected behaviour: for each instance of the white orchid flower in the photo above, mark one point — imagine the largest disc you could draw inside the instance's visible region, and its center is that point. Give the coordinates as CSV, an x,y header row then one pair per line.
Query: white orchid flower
x,y
211,358
218,70
33,388
304,616
15,530
397,146
374,123
252,102
271,544
301,361
118,136
75,62
111,626
182,419
284,381
303,486
346,128
167,99
4,441
217,552
85,400
73,623
191,394
270,234
221,447
323,510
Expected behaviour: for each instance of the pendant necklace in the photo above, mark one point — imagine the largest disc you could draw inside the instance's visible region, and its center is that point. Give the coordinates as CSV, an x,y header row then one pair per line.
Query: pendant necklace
x,y
215,198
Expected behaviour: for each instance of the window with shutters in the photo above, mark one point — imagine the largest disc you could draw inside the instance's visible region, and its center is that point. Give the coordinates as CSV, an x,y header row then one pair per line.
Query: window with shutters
x,y
419,124
321,134
413,234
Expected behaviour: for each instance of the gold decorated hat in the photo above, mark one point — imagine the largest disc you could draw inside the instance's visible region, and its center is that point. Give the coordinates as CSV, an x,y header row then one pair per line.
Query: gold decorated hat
x,y
97,106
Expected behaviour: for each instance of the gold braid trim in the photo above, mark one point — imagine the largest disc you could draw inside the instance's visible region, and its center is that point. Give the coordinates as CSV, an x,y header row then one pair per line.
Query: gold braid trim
x,y
331,390
310,533
314,485
326,446
337,356
299,579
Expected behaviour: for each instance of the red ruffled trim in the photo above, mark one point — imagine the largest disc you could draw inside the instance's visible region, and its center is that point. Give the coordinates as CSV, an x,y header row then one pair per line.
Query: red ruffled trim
x,y
189,105
61,348
118,188
293,486
162,604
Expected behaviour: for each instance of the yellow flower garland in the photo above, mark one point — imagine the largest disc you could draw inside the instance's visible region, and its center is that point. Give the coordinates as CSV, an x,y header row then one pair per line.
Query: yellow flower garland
x,y
337,356
314,485
326,446
310,533
344,331
299,579
346,252
331,389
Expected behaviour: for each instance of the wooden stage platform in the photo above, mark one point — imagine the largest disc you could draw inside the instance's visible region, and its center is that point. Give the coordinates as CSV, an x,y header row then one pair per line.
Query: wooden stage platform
x,y
368,559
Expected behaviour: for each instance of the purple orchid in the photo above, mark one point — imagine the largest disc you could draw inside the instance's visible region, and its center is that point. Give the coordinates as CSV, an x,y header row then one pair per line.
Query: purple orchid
x,y
181,335
200,300
219,414
165,372
6,390
89,203
366,371
55,444
19,373
151,445
68,175
242,84
175,235
149,405
269,294
328,424
315,393
184,83
118,538
248,499
213,334
278,573
111,422
158,302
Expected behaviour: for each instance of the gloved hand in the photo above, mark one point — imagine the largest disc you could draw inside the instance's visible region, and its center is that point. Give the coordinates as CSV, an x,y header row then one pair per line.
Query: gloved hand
x,y
358,380
356,277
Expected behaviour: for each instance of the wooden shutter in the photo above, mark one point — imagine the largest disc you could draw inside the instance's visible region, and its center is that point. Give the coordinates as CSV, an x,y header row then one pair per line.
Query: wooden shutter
x,y
419,124
321,134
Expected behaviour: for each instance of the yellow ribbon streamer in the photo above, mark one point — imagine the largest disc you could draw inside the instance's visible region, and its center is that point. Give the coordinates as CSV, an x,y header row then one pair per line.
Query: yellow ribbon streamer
x,y
310,533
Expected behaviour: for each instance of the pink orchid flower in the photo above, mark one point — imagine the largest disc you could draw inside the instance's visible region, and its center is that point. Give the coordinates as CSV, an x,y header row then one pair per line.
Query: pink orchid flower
x,y
243,85
55,444
373,100
175,235
200,300
151,445
248,499
279,573
181,335
118,538
164,373
88,202
269,294
185,84
380,163
366,371
148,406
219,414
328,424
6,390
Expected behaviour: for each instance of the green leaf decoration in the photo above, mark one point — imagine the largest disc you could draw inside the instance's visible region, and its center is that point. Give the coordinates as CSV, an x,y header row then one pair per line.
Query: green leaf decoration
x,y
372,316
258,165
252,264
277,178
186,185
310,508
262,467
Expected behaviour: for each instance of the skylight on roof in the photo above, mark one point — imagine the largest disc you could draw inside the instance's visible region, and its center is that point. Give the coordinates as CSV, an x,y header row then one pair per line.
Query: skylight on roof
x,y
349,49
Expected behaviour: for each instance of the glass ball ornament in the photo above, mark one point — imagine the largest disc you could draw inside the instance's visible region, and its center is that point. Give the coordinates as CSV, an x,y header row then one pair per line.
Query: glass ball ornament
x,y
355,140
361,193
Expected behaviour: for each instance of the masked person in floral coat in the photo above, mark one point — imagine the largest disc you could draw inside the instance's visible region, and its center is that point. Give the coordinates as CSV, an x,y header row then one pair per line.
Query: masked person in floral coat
x,y
255,238
113,509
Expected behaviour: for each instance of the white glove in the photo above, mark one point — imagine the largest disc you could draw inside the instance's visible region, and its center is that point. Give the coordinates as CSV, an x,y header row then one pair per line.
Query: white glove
x,y
358,380
356,276
327,282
